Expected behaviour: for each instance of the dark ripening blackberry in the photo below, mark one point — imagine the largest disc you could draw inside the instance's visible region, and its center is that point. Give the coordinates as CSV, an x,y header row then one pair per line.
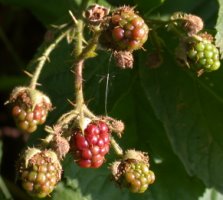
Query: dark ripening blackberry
x,y
203,55
89,149
126,31
39,172
29,108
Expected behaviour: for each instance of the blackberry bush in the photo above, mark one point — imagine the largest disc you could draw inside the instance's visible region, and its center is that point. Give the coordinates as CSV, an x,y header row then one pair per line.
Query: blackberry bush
x,y
163,107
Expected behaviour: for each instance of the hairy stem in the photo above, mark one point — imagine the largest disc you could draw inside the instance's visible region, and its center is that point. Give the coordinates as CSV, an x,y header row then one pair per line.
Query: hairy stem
x,y
116,147
45,56
79,91
78,69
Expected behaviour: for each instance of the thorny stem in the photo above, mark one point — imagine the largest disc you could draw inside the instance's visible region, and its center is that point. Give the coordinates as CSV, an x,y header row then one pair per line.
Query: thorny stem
x,y
81,54
78,69
45,56
67,117
88,113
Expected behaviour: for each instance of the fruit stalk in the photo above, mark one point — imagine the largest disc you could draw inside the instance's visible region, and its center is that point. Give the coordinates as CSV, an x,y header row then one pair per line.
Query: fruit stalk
x,y
45,56
78,68
81,54
116,147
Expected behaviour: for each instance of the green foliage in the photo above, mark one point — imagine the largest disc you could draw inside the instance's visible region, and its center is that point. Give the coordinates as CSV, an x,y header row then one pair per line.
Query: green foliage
x,y
173,115
219,28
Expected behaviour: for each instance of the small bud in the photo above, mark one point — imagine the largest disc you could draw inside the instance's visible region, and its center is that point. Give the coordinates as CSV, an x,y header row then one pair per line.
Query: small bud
x,y
191,23
124,59
132,154
118,126
95,14
60,145
115,170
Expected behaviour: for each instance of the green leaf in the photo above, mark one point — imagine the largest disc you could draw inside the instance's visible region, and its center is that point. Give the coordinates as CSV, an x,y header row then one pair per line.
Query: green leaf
x,y
51,11
48,12
126,104
203,8
191,110
8,82
144,132
149,6
219,27
211,194
166,111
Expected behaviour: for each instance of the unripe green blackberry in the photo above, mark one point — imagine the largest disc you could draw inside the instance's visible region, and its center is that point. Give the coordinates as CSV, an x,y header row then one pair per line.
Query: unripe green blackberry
x,y
199,53
137,176
125,31
203,55
39,171
29,108
133,171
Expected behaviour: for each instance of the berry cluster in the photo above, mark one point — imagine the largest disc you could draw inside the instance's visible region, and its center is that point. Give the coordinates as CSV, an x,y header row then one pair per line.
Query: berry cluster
x,y
39,172
86,136
29,109
204,55
90,148
126,31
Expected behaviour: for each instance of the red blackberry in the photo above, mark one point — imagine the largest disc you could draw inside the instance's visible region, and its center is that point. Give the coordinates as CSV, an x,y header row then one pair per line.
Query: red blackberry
x,y
29,108
126,31
90,148
39,172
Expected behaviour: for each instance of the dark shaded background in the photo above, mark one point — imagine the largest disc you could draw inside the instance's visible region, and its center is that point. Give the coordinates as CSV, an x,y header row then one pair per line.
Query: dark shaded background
x,y
20,36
